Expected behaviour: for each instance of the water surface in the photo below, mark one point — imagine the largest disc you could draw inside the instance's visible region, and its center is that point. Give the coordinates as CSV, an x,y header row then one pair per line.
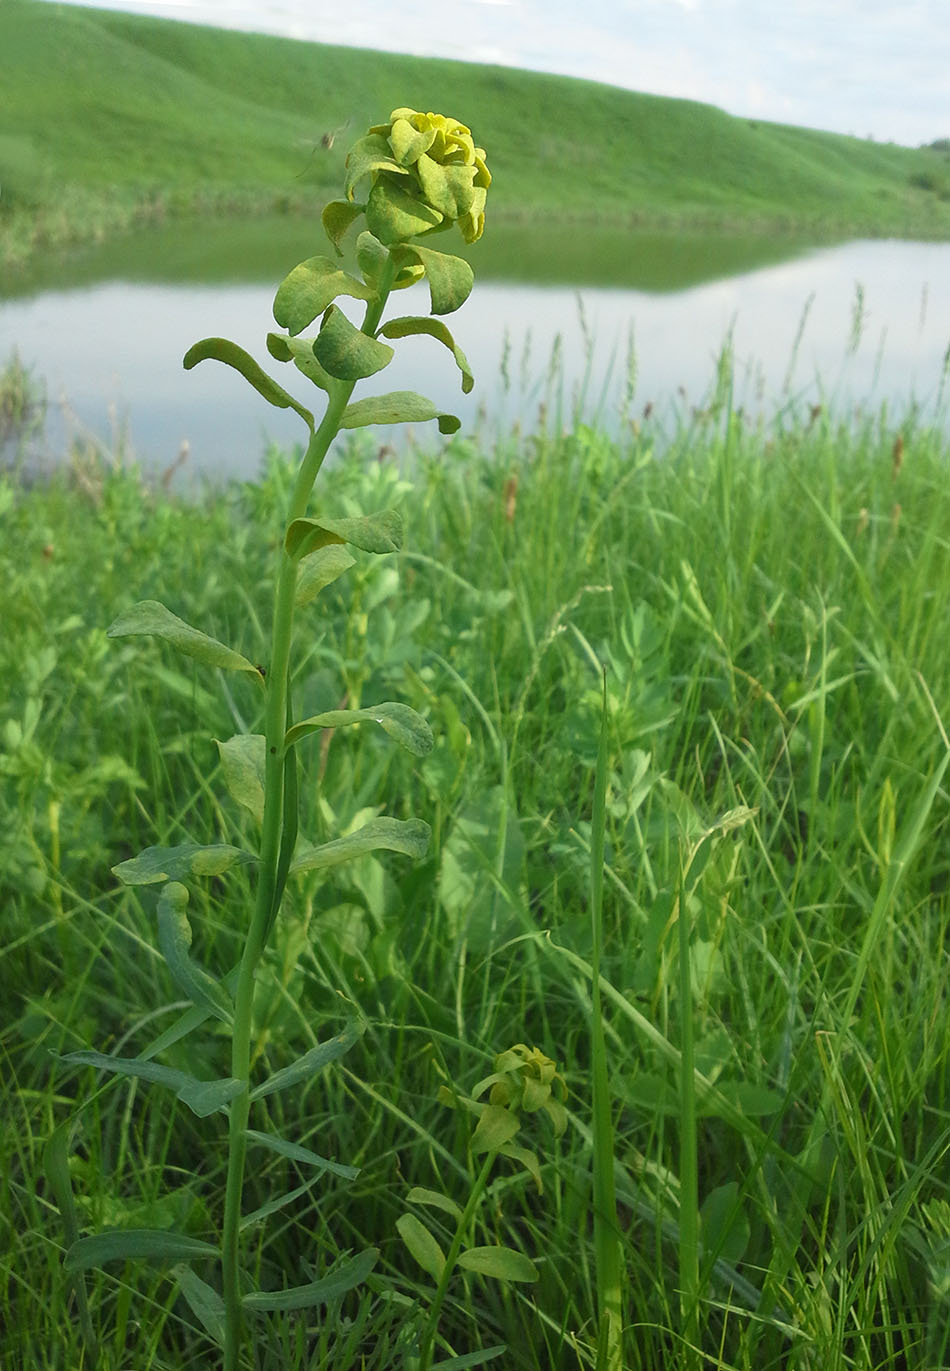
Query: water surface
x,y
641,316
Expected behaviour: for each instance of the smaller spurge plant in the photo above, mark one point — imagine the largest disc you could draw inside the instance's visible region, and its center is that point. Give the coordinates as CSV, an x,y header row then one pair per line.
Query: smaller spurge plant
x,y
524,1081
419,175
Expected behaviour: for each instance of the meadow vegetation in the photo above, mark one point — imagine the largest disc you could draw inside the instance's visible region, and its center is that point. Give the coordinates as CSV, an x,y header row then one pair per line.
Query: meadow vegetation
x,y
769,603
110,120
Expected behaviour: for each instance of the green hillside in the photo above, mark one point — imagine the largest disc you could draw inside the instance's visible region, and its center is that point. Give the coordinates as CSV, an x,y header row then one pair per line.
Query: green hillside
x,y
105,115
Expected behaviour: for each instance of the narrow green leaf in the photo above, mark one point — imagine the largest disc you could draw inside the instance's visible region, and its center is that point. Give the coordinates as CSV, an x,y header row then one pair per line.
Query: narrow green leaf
x,y
222,350
471,1358
300,352
500,1262
378,533
265,1211
151,618
421,1244
496,1127
337,217
347,353
450,278
311,1062
319,569
419,1195
142,1244
408,836
310,288
294,1152
201,1097
59,1178
243,763
397,407
410,325
174,941
346,1277
408,728
203,1301
157,864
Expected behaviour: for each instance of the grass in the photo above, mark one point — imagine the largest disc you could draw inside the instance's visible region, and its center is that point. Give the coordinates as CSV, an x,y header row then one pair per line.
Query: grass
x,y
769,602
110,120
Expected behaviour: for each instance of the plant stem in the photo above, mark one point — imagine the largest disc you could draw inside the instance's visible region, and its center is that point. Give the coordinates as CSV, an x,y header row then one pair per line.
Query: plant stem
x,y
275,824
478,1189
607,1249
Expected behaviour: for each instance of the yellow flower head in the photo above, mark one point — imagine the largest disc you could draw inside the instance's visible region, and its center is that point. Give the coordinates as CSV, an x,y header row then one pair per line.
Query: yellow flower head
x,y
524,1078
426,174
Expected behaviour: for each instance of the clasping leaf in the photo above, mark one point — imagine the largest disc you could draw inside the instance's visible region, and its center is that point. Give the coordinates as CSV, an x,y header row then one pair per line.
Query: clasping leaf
x,y
223,350
398,720
310,288
398,407
150,618
405,327
379,533
408,836
313,1061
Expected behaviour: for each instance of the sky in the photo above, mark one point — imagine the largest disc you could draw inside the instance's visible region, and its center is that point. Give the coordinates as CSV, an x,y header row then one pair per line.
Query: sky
x,y
866,67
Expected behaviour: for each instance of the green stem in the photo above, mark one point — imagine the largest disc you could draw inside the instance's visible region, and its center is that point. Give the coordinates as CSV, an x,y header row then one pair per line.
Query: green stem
x,y
275,824
689,1162
432,1323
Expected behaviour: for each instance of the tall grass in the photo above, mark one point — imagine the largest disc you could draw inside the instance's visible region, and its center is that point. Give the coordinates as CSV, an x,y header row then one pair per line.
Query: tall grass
x,y
769,603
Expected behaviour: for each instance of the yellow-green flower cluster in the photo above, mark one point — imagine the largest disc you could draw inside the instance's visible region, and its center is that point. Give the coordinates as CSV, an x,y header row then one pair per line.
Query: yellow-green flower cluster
x,y
524,1078
426,174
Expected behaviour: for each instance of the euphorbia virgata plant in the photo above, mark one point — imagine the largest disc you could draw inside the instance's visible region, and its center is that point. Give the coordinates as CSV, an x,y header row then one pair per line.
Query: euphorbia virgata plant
x,y
419,175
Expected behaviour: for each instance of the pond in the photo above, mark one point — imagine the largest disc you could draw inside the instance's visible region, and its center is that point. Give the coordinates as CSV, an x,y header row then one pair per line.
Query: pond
x,y
561,317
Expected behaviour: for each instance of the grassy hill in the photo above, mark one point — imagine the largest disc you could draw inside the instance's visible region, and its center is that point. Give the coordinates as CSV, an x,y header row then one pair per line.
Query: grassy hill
x,y
106,116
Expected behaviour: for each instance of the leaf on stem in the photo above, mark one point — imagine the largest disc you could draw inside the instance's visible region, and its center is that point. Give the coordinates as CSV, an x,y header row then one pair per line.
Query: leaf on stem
x,y
419,1195
201,1097
310,288
373,259
347,353
397,407
408,728
415,324
378,533
496,1127
157,864
174,941
450,278
471,1359
295,1153
143,1244
408,836
243,762
501,1262
151,618
393,215
311,1062
347,1275
422,1245
319,569
337,217
223,350
203,1301
300,352
368,154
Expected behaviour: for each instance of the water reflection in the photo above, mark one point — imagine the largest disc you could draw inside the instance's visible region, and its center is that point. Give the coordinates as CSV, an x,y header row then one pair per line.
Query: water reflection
x,y
863,323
